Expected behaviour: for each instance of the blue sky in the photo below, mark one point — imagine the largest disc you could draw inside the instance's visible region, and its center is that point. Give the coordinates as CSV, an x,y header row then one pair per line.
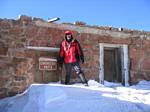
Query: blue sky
x,y
132,14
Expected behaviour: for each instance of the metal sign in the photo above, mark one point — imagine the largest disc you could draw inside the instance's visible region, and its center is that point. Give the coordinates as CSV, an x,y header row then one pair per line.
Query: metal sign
x,y
47,64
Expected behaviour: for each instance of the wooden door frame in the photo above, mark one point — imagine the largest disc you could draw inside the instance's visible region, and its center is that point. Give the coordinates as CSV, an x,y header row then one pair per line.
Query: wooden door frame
x,y
124,61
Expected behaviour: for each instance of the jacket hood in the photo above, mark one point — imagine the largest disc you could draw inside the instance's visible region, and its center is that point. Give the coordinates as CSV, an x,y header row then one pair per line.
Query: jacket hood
x,y
68,32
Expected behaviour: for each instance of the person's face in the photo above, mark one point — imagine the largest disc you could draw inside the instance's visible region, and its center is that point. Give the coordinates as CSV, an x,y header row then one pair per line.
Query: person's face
x,y
68,37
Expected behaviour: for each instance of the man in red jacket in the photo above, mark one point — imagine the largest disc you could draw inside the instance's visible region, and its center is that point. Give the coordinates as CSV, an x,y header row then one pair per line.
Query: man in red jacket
x,y
71,54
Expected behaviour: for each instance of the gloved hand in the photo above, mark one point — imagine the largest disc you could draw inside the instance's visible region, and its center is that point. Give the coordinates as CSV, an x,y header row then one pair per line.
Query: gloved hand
x,y
60,61
82,59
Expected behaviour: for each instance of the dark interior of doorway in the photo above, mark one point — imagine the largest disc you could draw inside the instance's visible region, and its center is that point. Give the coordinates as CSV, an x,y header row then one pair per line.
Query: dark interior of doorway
x,y
112,65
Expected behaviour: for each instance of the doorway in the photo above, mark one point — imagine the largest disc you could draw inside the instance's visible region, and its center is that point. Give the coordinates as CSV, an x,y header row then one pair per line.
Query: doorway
x,y
114,63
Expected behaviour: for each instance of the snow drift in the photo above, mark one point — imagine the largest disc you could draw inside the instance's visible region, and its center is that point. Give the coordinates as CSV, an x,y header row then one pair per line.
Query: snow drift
x,y
78,98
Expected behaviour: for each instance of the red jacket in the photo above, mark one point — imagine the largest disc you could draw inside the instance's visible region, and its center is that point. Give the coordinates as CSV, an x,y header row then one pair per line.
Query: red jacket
x,y
71,52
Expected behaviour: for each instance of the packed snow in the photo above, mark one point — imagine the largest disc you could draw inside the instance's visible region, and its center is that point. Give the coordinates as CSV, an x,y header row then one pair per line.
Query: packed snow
x,y
110,97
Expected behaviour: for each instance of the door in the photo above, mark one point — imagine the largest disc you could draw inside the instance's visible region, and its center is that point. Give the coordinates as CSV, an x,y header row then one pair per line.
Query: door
x,y
112,64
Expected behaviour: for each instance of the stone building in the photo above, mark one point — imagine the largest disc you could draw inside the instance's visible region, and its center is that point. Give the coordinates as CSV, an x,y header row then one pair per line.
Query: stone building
x,y
112,54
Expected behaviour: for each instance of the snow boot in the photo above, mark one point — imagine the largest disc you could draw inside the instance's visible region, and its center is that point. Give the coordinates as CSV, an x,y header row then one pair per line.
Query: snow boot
x,y
83,79
67,79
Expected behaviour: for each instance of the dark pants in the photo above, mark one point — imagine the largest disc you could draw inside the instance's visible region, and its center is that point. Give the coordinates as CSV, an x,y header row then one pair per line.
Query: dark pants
x,y
69,67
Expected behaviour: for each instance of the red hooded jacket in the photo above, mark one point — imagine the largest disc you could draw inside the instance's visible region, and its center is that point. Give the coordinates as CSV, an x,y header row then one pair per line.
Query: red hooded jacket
x,y
71,51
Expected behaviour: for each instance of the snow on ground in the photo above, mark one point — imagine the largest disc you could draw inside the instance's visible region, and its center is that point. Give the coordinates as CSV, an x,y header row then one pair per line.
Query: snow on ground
x,y
79,98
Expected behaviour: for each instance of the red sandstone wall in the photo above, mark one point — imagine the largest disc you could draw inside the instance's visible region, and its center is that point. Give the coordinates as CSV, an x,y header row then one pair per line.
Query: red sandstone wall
x,y
15,75
139,52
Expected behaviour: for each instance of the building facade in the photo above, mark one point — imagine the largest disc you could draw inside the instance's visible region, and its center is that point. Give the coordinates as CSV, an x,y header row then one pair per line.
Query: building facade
x,y
112,54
